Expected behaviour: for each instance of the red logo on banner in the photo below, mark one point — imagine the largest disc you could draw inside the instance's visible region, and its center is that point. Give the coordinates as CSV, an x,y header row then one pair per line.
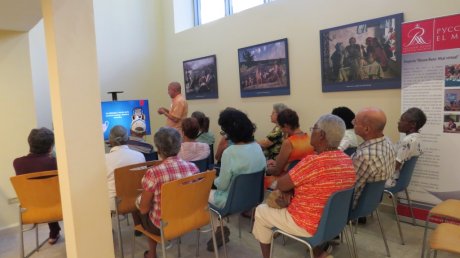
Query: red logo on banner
x,y
417,37
447,32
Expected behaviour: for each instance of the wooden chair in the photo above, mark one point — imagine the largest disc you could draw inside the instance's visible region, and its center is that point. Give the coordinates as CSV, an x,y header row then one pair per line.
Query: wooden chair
x,y
128,187
39,202
184,207
448,209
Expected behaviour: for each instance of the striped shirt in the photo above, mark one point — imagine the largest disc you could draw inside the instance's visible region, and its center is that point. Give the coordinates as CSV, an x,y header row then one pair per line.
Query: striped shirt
x,y
170,169
315,179
374,161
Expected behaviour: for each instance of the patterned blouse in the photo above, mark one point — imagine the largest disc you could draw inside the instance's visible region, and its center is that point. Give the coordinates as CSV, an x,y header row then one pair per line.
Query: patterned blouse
x,y
276,137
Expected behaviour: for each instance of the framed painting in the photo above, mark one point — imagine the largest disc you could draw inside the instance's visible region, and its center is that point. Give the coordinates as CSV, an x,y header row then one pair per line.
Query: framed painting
x,y
362,56
200,78
264,69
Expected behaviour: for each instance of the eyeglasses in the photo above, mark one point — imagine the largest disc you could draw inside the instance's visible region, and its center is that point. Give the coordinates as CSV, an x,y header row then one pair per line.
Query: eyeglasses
x,y
314,128
222,133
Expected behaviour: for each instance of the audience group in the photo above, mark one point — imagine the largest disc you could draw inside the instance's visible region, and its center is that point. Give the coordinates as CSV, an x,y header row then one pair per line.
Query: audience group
x,y
321,168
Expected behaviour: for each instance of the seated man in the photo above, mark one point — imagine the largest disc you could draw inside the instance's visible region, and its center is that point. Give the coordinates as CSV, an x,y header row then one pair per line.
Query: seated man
x,y
41,142
136,140
314,180
374,159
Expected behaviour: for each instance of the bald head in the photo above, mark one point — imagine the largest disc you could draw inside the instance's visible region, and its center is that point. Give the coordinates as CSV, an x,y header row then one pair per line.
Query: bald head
x,y
370,121
174,89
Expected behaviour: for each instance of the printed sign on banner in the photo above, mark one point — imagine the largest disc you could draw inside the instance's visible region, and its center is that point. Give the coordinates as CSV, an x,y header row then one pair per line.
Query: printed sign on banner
x,y
431,82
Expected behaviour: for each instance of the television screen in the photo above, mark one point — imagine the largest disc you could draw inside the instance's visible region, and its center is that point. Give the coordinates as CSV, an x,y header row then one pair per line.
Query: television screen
x,y
132,114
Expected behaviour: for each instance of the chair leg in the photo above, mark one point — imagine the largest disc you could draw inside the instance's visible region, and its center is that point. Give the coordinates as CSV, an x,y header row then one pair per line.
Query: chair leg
x,y
178,246
222,234
21,237
36,237
383,233
394,202
163,241
253,212
133,244
272,244
198,243
410,207
213,235
353,240
424,236
344,233
120,242
435,253
239,227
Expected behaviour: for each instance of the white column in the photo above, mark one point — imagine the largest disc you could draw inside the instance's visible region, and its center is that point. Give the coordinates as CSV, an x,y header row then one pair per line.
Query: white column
x,y
75,104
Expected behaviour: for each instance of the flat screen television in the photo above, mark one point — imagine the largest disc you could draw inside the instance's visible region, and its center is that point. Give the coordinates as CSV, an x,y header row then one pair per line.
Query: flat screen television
x,y
132,114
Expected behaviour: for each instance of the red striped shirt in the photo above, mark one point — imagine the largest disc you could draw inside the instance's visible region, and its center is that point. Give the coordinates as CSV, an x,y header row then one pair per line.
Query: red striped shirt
x,y
315,179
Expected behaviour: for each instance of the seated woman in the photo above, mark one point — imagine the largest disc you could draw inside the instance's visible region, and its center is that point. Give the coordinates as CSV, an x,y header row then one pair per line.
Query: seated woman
x,y
272,143
191,150
295,147
204,135
244,156
167,141
349,140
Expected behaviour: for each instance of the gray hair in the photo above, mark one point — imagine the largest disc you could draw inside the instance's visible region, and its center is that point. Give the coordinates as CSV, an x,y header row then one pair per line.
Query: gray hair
x,y
278,107
168,141
334,128
118,136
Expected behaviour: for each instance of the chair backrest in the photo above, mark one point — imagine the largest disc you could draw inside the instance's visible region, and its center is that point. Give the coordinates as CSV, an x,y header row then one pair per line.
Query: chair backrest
x,y
39,196
151,156
246,192
369,200
128,185
334,217
184,204
202,164
211,157
405,175
349,151
292,164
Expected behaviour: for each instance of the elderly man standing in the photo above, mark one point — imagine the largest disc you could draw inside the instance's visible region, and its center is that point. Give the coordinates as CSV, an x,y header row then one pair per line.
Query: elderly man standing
x,y
374,159
179,107
314,180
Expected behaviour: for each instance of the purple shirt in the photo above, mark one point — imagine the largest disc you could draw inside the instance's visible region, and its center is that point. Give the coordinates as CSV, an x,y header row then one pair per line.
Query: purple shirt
x,y
34,163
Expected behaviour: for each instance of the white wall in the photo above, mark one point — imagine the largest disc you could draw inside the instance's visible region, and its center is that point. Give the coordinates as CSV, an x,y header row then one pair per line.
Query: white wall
x,y
40,79
300,22
17,103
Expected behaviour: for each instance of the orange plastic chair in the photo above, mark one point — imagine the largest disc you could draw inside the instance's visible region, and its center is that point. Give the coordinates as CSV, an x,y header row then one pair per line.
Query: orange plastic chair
x,y
445,237
448,209
127,187
184,207
39,202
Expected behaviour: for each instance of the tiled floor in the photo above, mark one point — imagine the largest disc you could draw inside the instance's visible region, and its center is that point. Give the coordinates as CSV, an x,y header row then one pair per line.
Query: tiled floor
x,y
369,243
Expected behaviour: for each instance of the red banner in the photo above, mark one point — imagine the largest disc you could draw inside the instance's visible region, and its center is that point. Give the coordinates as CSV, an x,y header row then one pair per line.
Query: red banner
x,y
430,35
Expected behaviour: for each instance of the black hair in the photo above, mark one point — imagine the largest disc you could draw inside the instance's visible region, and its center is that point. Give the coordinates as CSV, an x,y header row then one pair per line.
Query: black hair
x,y
417,116
190,127
346,114
40,140
203,121
288,117
236,125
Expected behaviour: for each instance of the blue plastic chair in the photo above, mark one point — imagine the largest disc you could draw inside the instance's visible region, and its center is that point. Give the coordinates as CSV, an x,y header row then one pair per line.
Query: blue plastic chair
x,y
246,192
292,164
202,164
151,156
402,183
368,202
349,151
333,221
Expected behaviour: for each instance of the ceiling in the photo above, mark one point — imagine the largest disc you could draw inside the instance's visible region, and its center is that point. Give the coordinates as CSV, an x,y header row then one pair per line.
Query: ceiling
x,y
19,15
